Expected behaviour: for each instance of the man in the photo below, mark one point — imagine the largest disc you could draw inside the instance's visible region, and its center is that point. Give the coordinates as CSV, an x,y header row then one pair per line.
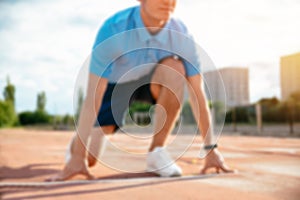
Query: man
x,y
141,53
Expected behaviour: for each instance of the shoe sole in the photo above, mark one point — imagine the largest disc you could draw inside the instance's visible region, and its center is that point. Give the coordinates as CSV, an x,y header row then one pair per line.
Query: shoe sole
x,y
162,175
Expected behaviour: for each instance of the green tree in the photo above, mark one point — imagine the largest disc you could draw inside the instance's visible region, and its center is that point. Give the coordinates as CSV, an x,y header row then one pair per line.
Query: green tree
x,y
140,107
271,109
41,102
31,118
8,115
9,92
39,116
240,114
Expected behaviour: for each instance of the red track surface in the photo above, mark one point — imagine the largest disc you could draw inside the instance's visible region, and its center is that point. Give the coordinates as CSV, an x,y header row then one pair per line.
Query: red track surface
x,y
269,168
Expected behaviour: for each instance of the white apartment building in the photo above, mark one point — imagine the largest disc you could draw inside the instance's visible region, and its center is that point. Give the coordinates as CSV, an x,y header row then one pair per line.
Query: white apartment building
x,y
236,85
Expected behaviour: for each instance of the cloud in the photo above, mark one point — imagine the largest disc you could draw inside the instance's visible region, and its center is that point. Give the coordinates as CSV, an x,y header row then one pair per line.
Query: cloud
x,y
44,43
264,80
247,33
244,31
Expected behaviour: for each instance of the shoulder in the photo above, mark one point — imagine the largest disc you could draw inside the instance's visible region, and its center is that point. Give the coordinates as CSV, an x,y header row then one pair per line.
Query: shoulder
x,y
178,25
121,20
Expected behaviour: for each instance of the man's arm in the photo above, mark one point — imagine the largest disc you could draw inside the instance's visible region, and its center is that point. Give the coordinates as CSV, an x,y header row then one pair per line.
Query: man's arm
x,y
200,107
89,112
203,118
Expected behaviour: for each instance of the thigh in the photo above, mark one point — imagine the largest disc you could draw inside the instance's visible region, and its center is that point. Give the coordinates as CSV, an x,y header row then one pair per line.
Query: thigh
x,y
113,107
169,73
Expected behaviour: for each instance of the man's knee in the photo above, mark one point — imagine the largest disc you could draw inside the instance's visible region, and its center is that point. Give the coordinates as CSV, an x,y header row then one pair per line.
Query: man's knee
x,y
173,63
170,71
169,74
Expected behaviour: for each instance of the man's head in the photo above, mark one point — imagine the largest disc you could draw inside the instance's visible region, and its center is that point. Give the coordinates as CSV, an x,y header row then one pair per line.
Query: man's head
x,y
157,10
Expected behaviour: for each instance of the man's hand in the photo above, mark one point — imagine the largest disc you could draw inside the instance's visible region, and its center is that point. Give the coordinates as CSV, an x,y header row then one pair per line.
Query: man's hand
x,y
75,166
214,159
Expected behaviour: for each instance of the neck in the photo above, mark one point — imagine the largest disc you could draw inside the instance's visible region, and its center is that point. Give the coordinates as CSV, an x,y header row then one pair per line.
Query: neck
x,y
153,25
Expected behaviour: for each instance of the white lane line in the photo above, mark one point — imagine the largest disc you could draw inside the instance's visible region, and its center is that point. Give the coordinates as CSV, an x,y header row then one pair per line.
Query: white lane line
x,y
115,180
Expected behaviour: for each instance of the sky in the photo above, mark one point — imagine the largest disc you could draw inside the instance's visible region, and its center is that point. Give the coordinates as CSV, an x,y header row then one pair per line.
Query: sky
x,y
43,44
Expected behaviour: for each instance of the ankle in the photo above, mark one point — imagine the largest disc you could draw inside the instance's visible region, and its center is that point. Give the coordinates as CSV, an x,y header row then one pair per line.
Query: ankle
x,y
77,159
152,148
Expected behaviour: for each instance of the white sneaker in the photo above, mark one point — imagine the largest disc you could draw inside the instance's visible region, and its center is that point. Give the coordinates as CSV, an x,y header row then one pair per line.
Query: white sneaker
x,y
160,163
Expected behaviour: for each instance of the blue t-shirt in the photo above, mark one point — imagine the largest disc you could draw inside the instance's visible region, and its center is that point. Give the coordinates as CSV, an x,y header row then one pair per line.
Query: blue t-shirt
x,y
124,50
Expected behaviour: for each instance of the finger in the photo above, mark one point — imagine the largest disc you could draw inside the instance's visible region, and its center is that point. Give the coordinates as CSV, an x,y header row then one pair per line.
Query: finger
x,y
58,177
218,170
88,175
226,169
68,173
53,178
204,169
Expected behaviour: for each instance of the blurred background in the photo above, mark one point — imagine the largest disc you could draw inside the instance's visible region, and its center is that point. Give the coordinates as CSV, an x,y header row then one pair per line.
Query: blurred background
x,y
255,46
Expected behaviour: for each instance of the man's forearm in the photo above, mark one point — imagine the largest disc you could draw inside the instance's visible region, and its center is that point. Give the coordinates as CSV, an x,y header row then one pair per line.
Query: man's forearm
x,y
88,114
202,118
200,109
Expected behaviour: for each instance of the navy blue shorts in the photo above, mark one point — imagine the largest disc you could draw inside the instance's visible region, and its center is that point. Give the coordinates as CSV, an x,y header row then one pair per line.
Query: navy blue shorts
x,y
118,98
